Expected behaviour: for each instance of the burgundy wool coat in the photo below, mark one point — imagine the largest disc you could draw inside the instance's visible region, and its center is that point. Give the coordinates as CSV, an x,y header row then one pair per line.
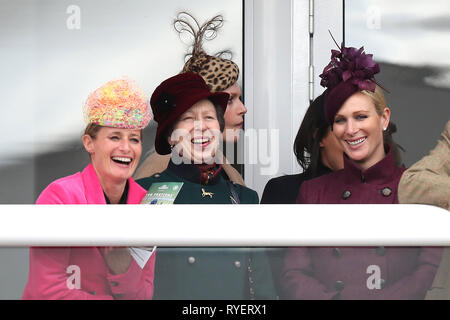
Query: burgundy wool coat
x,y
345,273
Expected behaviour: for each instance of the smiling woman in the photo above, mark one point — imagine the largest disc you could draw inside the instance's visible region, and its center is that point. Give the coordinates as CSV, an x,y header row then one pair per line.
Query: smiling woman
x,y
359,127
116,114
190,124
197,132
114,154
220,75
356,110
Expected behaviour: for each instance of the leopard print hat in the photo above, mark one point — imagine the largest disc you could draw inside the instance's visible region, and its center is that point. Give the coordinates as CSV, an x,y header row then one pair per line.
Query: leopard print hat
x,y
219,73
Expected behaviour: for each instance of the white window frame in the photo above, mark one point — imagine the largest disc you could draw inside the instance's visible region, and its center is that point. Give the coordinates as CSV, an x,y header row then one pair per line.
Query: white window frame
x,y
278,52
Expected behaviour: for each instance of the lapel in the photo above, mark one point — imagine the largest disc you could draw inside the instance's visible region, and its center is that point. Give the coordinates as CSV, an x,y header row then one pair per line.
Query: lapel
x,y
135,192
94,191
92,186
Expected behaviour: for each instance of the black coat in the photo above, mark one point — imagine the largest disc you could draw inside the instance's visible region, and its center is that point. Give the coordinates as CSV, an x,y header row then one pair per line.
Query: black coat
x,y
284,190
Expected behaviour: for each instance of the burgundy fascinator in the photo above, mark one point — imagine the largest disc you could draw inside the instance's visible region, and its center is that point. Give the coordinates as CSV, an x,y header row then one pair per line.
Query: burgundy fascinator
x,y
350,70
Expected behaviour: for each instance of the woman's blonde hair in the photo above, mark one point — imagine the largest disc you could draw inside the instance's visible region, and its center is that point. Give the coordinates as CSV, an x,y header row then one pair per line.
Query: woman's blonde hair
x,y
378,99
380,104
93,129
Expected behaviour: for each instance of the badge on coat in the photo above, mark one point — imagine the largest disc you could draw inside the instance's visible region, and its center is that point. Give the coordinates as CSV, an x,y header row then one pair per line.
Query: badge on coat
x,y
162,193
207,194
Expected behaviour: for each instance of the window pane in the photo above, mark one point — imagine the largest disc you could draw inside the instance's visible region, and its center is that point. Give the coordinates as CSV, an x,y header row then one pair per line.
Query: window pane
x,y
411,41
54,53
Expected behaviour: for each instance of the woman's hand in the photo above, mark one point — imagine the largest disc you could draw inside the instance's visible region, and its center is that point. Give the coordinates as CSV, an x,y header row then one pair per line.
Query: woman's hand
x,y
118,259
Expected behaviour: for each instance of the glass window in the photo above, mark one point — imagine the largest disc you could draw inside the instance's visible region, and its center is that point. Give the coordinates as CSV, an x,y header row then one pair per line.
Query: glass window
x,y
54,53
411,41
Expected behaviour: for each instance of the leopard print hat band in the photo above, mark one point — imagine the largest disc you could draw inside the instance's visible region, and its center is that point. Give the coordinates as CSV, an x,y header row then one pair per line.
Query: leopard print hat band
x,y
218,73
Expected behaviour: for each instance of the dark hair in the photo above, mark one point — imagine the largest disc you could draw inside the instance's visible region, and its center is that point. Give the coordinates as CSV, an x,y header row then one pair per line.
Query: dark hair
x,y
312,130
395,147
220,117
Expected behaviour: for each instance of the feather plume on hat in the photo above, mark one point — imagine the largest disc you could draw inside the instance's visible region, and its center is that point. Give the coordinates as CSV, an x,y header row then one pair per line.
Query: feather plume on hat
x,y
349,71
219,73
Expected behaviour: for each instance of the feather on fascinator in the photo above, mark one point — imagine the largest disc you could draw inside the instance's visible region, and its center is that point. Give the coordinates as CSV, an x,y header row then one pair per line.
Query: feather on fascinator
x,y
219,73
118,104
349,71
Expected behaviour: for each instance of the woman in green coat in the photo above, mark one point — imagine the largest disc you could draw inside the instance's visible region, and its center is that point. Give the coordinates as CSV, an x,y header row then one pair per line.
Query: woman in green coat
x,y
190,125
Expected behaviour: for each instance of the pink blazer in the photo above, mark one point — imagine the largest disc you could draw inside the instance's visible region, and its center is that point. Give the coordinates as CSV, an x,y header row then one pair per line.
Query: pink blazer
x,y
53,270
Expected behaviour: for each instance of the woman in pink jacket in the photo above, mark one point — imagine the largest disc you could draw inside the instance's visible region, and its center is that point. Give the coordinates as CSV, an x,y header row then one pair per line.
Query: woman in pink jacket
x,y
116,113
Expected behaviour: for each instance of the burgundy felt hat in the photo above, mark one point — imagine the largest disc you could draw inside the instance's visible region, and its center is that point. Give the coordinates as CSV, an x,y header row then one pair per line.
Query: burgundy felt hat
x,y
349,71
335,98
175,96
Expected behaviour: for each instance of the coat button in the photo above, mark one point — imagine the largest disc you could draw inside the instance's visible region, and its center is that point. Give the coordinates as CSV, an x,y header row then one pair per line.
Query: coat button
x,y
382,283
337,253
237,264
119,295
386,191
339,285
346,194
114,283
93,293
191,260
381,251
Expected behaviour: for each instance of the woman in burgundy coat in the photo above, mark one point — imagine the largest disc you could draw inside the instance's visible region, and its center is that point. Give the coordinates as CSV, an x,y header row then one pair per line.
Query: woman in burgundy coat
x,y
357,112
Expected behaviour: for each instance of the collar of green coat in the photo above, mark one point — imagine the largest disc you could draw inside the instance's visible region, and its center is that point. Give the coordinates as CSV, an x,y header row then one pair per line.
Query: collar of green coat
x,y
201,174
